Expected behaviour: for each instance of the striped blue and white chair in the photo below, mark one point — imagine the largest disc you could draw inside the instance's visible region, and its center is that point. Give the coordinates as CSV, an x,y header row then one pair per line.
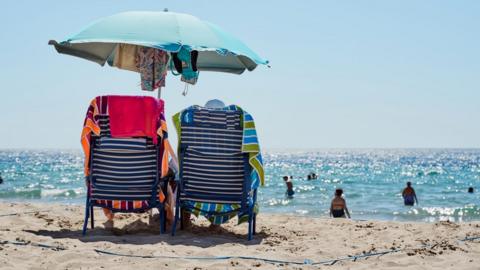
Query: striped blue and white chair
x,y
123,173
215,174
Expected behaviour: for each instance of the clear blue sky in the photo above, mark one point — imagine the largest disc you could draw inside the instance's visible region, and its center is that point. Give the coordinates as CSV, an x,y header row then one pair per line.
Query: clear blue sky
x,y
344,73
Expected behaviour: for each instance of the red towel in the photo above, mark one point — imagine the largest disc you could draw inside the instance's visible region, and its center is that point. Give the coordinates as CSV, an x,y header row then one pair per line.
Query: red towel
x,y
134,116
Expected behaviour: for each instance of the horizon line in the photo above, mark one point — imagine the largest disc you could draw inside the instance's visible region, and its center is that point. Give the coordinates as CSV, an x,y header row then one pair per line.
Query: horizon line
x,y
271,148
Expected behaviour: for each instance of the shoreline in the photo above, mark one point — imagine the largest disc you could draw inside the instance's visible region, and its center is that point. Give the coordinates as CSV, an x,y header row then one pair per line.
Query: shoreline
x,y
279,237
81,204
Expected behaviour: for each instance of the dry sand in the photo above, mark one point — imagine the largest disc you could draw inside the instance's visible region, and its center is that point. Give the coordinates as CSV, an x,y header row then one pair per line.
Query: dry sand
x,y
280,237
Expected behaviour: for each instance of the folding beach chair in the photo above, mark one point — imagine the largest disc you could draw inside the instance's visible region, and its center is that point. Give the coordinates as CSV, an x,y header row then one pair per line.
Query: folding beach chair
x,y
123,174
215,174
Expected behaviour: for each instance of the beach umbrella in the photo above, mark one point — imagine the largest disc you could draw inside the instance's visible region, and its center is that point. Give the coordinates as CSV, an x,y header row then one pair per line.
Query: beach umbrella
x,y
168,31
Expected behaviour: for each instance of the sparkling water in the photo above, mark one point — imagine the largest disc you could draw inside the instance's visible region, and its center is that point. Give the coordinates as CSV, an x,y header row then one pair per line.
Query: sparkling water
x,y
372,181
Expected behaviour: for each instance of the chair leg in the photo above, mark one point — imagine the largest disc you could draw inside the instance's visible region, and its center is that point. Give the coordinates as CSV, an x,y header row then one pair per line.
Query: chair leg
x,y
92,220
174,225
254,223
164,222
161,212
250,225
85,223
182,219
250,235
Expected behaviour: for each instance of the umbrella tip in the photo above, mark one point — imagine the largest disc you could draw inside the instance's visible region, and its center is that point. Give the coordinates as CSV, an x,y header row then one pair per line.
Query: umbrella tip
x,y
165,10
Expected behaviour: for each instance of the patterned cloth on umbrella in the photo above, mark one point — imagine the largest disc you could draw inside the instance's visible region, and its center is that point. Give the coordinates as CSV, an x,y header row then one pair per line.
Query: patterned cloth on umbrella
x,y
152,65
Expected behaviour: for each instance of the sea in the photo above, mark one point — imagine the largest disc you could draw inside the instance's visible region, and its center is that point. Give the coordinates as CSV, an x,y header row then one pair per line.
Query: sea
x,y
372,180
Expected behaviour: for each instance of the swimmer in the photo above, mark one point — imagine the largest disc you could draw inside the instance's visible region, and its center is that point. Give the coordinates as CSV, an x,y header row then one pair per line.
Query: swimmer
x,y
289,183
311,176
338,208
409,196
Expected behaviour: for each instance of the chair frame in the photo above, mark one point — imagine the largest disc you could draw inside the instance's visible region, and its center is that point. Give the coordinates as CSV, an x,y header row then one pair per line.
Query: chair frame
x,y
153,201
245,207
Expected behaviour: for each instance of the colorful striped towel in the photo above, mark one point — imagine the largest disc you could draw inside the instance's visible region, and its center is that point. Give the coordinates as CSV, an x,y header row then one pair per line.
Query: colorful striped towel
x,y
251,146
250,142
98,107
219,213
223,212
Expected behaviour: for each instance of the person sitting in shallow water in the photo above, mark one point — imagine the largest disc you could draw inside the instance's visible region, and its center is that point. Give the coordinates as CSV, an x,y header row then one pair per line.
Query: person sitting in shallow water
x,y
289,183
409,196
338,208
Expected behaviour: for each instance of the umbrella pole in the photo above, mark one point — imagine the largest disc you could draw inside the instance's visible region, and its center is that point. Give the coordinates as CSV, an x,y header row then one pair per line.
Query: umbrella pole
x,y
159,92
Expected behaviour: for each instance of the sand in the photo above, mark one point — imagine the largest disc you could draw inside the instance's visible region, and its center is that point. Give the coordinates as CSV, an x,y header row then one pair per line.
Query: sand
x,y
279,237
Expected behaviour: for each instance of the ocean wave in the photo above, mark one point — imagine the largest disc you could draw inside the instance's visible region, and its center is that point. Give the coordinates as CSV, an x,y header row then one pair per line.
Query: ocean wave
x,y
38,193
431,214
66,193
372,181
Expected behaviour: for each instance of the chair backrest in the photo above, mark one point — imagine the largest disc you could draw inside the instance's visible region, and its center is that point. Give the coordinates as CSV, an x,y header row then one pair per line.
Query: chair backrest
x,y
123,168
212,166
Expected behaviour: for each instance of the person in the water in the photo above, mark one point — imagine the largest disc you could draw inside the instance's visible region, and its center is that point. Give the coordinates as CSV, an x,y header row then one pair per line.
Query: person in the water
x,y
1,180
409,195
289,183
311,176
470,190
338,208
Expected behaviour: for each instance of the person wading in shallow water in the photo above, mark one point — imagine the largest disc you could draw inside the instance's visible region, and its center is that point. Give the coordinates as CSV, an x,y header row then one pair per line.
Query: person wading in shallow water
x,y
289,183
409,196
338,208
